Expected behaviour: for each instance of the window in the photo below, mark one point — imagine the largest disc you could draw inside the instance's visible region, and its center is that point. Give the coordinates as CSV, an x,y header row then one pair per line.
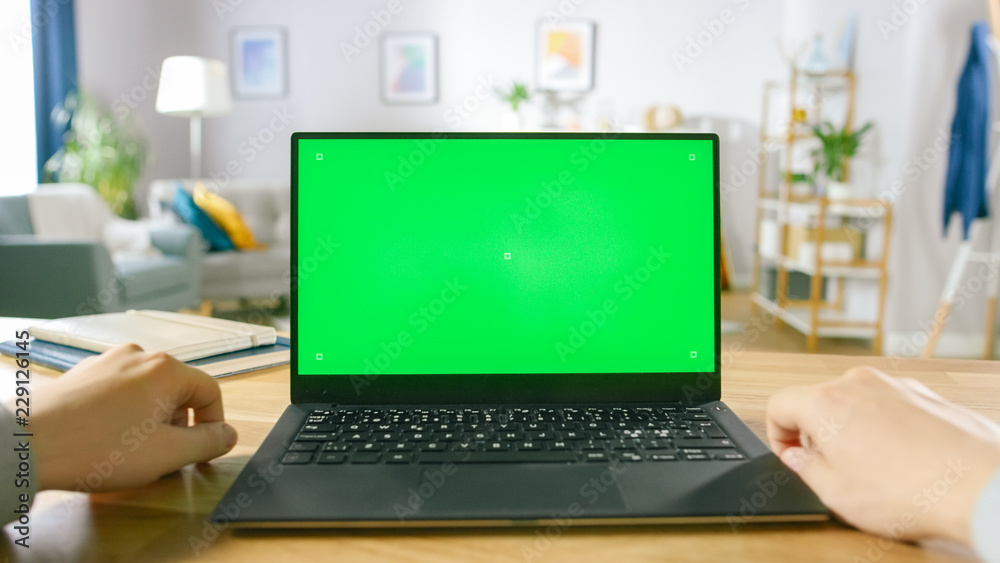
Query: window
x,y
17,98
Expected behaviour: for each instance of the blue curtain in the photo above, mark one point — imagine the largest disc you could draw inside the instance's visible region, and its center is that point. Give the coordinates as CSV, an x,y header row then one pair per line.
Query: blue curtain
x,y
54,50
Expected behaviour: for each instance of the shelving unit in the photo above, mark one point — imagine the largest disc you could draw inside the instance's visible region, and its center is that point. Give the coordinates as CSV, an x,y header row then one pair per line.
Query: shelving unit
x,y
822,314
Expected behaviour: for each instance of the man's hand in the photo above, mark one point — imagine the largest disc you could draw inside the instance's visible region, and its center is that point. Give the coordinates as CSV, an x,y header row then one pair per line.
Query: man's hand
x,y
125,413
875,448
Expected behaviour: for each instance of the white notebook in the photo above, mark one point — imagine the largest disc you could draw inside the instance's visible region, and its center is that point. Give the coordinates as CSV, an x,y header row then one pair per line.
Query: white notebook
x,y
185,337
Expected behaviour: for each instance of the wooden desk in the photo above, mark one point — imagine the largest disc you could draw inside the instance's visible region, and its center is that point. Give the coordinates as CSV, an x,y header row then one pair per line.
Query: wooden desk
x,y
158,522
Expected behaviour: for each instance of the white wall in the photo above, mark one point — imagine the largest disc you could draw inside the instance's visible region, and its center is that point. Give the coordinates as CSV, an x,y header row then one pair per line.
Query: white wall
x,y
906,83
487,40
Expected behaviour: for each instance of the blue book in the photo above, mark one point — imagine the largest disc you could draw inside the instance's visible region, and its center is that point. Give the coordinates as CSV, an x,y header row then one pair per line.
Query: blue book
x,y
62,358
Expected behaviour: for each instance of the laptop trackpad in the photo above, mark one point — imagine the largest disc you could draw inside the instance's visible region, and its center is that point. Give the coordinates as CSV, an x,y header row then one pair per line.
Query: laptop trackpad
x,y
527,491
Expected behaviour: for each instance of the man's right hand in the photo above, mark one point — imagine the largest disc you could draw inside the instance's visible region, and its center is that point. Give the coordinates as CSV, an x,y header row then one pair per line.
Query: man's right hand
x,y
886,454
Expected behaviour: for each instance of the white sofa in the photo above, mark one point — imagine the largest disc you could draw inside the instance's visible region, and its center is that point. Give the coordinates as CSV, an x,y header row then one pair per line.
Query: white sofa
x,y
266,209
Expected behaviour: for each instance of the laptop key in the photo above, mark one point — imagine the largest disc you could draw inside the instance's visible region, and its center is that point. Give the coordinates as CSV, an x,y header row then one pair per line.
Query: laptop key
x,y
296,458
708,443
729,455
655,444
661,457
336,447
303,447
328,458
512,456
713,431
595,456
365,457
315,436
629,456
399,457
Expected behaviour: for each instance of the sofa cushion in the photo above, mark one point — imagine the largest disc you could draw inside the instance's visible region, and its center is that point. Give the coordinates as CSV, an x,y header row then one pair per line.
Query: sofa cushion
x,y
185,208
143,279
246,274
15,218
226,216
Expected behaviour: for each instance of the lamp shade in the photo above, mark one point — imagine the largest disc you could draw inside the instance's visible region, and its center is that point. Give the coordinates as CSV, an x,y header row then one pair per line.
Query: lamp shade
x,y
193,86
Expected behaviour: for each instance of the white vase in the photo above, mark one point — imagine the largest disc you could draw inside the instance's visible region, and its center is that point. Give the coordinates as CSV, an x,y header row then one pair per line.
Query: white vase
x,y
839,190
511,121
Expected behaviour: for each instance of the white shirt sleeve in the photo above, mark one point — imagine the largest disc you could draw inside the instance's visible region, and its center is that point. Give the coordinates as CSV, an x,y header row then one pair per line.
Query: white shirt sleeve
x,y
986,522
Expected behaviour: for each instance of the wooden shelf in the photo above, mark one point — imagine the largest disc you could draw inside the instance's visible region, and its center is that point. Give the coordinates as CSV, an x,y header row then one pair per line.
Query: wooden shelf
x,y
859,208
857,269
821,315
832,323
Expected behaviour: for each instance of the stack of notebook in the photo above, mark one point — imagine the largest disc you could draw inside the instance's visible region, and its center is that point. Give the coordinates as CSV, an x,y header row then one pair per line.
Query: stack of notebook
x,y
215,346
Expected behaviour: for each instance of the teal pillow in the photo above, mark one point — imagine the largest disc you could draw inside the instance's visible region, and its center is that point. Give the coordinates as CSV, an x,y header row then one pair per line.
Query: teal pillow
x,y
191,214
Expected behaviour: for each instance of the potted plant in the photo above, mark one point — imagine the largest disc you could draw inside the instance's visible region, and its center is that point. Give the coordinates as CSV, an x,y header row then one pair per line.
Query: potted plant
x,y
837,148
517,93
99,149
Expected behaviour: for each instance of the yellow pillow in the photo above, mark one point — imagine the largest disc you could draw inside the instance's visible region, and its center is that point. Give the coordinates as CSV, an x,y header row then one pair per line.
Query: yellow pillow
x,y
225,216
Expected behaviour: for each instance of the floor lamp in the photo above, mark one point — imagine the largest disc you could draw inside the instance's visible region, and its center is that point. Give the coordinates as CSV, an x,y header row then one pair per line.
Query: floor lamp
x,y
193,87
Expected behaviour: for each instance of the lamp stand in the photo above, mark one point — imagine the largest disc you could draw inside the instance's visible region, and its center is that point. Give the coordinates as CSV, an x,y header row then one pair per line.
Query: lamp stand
x,y
195,146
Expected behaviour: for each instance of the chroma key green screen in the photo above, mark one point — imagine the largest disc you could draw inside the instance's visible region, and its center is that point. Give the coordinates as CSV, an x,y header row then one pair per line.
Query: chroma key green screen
x,y
505,255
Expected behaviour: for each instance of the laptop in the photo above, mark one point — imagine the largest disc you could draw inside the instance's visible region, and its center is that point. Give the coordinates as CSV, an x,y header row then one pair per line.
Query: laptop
x,y
508,330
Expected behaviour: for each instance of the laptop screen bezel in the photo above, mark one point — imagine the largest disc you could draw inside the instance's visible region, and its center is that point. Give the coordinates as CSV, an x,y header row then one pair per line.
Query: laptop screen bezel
x,y
540,388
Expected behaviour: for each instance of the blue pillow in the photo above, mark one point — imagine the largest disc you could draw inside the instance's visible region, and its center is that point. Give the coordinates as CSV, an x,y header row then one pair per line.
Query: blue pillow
x,y
191,214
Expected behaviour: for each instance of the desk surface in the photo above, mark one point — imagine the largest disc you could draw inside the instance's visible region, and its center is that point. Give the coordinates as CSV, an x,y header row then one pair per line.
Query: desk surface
x,y
161,521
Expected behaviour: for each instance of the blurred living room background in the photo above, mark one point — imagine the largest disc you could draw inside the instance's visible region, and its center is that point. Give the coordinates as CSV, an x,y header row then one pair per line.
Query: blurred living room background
x,y
146,144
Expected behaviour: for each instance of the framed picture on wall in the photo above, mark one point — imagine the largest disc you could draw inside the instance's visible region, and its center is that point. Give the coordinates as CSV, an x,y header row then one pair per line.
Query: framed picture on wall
x,y
259,62
564,60
409,68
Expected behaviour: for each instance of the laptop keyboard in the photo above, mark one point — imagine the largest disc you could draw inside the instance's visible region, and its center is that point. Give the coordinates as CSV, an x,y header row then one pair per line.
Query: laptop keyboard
x,y
509,435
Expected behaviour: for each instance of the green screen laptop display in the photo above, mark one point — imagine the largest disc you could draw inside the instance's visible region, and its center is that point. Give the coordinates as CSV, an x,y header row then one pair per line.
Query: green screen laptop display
x,y
505,256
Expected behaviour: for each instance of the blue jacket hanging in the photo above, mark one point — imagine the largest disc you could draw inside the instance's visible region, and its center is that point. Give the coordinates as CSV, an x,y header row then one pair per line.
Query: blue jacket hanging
x,y
965,188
